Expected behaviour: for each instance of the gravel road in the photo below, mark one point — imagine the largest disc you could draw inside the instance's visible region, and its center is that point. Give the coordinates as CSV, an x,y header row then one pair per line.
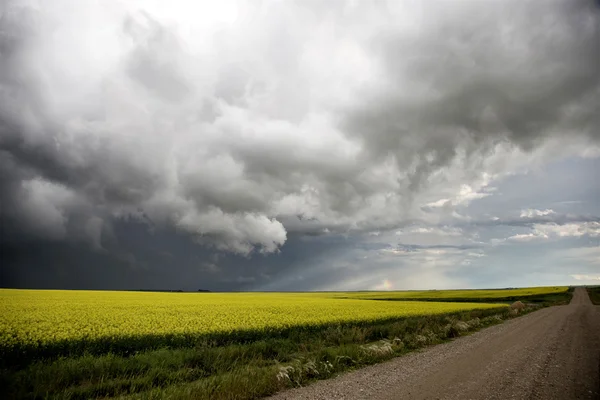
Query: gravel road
x,y
553,353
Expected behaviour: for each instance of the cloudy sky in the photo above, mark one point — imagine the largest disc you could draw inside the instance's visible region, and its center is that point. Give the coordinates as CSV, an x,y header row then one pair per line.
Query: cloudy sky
x,y
299,145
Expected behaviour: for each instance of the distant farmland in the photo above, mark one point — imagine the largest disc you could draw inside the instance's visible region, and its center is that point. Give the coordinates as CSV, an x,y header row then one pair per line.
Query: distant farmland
x,y
535,294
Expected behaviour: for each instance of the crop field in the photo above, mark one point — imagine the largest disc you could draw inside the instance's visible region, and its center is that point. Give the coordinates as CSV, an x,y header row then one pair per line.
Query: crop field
x,y
41,318
475,295
90,344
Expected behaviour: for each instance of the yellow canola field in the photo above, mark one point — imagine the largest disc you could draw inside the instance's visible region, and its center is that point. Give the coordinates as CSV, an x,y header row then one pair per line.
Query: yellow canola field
x,y
43,317
475,294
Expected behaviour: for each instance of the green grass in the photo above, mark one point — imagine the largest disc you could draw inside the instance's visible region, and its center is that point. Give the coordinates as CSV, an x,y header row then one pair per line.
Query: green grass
x,y
238,370
594,293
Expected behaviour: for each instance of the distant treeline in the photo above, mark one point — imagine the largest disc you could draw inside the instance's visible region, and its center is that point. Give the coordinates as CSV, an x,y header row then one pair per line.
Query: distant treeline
x,y
171,291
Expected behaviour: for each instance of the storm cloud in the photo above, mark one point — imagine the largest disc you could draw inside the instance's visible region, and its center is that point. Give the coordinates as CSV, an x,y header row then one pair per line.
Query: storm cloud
x,y
239,125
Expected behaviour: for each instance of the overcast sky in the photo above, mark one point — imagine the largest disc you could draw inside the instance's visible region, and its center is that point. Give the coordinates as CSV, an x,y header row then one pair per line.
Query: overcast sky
x,y
299,145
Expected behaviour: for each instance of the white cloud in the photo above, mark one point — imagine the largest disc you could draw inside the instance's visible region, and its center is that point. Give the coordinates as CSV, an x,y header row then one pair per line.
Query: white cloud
x,y
591,229
530,213
554,231
465,195
237,232
579,277
476,255
432,230
527,237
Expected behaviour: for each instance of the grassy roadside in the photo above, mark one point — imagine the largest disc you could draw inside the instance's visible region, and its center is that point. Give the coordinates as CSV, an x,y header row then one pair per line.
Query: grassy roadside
x,y
594,293
239,370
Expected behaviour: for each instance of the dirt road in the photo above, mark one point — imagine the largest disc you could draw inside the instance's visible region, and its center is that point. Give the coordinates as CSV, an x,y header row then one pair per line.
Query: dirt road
x,y
550,354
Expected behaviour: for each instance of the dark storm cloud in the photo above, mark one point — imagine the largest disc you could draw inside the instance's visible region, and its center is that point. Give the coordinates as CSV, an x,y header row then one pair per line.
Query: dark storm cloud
x,y
241,126
136,259
458,84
